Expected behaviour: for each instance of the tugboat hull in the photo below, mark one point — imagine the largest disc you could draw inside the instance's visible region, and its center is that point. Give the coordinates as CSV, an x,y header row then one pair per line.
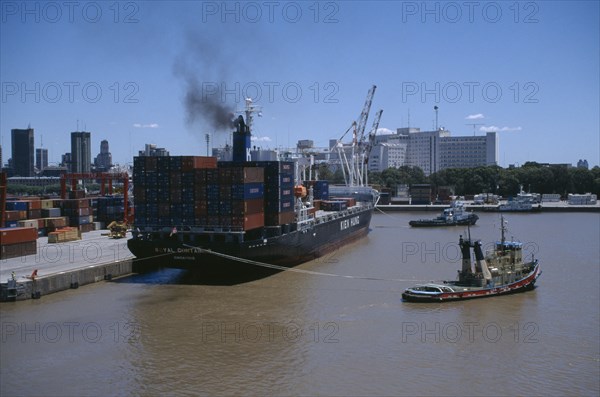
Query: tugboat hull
x,y
449,291
470,221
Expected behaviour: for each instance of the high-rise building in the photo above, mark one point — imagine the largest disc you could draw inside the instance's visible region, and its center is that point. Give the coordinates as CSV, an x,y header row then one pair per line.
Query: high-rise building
x,y
22,152
432,151
41,159
151,150
81,152
103,162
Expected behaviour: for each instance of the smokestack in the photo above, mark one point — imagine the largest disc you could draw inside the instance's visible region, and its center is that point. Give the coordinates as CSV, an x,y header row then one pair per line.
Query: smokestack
x,y
241,141
465,248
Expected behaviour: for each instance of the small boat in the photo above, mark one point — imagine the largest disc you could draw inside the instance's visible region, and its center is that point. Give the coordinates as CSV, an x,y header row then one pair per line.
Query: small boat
x,y
501,271
524,202
453,216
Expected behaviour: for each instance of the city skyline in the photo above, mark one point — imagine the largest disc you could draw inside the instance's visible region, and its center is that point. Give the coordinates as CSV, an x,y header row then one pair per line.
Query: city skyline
x,y
136,70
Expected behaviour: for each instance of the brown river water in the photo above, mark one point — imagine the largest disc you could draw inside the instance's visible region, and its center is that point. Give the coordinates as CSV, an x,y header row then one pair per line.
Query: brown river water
x,y
292,333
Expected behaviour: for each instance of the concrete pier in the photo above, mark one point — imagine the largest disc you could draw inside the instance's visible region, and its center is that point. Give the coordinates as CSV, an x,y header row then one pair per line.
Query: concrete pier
x,y
469,206
61,266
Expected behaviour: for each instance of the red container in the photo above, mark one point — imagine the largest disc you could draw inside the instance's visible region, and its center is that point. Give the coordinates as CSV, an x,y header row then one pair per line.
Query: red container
x,y
247,207
189,163
279,218
15,235
34,214
248,221
86,228
12,215
35,205
55,223
240,175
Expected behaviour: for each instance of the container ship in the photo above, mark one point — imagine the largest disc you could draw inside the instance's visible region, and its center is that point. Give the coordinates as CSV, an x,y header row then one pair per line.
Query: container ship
x,y
195,212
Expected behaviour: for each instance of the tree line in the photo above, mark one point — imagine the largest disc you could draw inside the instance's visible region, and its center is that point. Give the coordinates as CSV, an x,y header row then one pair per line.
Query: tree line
x,y
532,176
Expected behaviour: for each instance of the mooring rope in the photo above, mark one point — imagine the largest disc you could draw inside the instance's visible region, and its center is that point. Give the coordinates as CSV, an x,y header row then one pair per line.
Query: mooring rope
x,y
291,269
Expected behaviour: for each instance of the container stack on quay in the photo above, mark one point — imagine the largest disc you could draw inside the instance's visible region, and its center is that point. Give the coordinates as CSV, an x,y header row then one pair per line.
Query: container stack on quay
x,y
61,220
17,241
420,194
107,209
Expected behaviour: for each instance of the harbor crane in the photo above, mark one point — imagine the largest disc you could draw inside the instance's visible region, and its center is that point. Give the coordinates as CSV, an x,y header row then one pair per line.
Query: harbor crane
x,y
354,168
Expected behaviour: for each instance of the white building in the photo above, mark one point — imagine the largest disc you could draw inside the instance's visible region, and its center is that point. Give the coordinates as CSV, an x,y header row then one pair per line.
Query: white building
x,y
432,151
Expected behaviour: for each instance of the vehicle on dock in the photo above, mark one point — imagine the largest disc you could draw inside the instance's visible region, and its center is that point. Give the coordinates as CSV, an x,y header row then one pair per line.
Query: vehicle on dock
x,y
456,215
501,271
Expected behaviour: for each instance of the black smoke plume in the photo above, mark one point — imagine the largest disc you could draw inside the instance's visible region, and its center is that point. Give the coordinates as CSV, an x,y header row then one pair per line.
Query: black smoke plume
x,y
201,105
202,68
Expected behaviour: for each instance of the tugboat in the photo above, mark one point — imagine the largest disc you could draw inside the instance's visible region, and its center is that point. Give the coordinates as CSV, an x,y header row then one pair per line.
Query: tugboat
x,y
453,216
501,271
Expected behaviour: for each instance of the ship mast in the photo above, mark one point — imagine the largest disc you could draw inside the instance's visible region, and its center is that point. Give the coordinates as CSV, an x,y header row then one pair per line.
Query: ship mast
x,y
249,110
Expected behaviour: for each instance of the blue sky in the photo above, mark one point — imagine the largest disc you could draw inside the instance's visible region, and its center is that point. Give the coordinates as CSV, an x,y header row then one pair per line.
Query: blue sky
x,y
529,70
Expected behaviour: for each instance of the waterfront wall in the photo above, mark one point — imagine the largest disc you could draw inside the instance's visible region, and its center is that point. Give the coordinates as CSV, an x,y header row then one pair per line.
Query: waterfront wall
x,y
49,284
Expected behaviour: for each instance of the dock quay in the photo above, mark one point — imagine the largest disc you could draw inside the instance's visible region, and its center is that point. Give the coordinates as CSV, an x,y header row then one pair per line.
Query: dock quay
x,y
62,266
544,207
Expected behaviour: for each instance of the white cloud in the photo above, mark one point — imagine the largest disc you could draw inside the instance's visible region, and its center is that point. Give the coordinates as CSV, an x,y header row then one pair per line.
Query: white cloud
x,y
260,138
493,128
384,131
152,125
477,116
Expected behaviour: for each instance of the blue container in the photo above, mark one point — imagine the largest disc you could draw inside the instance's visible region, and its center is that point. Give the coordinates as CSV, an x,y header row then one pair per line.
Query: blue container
x,y
247,191
285,205
16,206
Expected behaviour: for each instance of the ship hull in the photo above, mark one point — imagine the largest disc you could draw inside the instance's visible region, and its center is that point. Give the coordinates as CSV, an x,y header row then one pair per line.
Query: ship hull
x,y
220,256
527,283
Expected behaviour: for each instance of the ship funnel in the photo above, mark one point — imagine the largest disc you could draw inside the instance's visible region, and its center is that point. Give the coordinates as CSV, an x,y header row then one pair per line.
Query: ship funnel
x,y
241,141
481,264
465,248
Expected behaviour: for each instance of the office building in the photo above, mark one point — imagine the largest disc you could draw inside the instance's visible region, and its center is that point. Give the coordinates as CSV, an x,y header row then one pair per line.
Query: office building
x,y
81,152
22,152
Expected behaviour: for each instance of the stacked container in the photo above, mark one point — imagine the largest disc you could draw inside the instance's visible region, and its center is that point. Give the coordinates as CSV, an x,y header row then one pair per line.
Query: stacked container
x,y
279,192
79,212
320,189
17,241
167,189
109,208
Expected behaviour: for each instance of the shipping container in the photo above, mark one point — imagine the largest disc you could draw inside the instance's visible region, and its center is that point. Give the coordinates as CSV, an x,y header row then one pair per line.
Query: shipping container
x,y
55,223
15,235
16,206
12,215
281,218
18,249
284,205
333,205
50,212
245,207
29,223
248,221
247,191
47,204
